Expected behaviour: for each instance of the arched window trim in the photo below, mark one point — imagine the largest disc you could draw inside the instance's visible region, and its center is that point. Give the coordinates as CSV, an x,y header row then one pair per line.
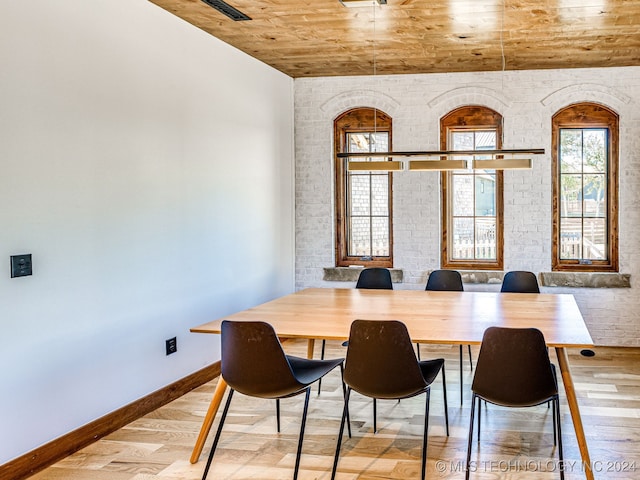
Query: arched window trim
x,y
359,119
587,115
472,117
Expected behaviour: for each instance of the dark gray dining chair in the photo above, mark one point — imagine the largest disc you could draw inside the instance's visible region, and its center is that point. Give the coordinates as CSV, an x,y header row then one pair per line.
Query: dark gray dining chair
x,y
381,363
518,281
254,364
448,281
513,370
375,278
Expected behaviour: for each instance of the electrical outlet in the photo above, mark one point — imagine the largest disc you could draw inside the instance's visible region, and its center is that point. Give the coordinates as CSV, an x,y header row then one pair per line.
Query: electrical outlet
x,y
171,345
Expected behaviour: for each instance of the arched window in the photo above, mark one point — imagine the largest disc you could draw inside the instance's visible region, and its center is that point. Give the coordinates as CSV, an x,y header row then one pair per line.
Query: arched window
x,y
363,199
472,206
585,188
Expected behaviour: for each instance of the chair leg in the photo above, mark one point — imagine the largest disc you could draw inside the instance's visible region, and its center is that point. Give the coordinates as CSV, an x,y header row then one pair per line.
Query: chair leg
x,y
559,428
344,416
324,343
278,413
446,408
555,429
470,359
217,437
304,421
424,439
375,416
470,441
344,395
461,377
418,350
480,416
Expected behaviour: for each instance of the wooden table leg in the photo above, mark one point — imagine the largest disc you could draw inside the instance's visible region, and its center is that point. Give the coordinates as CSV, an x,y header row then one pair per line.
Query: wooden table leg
x,y
221,387
563,360
310,345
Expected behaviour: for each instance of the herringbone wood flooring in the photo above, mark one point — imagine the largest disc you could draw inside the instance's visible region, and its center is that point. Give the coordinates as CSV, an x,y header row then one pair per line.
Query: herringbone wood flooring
x,y
515,444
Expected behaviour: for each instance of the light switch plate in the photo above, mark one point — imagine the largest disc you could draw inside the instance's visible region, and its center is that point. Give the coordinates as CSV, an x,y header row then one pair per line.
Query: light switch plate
x,y
21,265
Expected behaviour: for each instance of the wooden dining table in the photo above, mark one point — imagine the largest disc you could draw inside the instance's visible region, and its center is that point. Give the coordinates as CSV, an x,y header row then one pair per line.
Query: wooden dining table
x,y
432,317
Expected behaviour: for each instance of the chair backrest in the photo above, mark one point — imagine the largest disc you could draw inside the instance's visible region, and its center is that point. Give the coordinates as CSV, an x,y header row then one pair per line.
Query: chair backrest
x,y
380,360
445,280
375,278
513,368
520,282
253,361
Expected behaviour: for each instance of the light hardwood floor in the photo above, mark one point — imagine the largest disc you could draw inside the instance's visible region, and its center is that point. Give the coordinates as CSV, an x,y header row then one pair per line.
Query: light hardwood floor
x,y
515,444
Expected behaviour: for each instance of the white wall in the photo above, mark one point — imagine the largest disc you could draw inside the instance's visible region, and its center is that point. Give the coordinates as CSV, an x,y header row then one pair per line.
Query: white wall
x,y
527,100
148,168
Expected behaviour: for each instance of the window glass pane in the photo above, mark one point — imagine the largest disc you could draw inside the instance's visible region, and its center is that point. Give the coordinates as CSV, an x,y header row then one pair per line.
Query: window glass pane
x,y
474,195
462,195
485,195
485,238
485,140
571,239
570,195
368,142
358,142
594,239
463,244
380,236
594,194
583,194
380,195
368,199
359,194
595,152
379,142
570,150
360,240
462,140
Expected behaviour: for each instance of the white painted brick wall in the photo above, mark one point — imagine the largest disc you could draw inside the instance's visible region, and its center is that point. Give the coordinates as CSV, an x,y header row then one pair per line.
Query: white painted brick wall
x,y
526,100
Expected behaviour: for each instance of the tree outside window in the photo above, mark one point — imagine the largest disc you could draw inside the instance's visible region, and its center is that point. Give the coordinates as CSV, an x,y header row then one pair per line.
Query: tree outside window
x,y
585,188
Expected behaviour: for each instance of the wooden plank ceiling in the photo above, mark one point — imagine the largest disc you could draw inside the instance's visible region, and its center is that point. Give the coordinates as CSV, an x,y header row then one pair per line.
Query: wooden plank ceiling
x,y
305,38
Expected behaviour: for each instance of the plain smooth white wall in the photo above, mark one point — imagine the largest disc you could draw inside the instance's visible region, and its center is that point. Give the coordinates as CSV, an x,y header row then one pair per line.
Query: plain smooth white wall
x,y
148,168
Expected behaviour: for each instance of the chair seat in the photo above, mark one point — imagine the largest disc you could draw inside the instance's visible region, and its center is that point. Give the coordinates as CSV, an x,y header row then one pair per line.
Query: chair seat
x,y
431,368
308,371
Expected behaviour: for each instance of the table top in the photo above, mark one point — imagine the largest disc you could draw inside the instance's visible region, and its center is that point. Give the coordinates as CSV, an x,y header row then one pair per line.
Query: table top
x,y
430,316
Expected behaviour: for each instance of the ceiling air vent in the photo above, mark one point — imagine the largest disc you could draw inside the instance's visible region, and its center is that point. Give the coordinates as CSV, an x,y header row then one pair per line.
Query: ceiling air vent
x,y
228,10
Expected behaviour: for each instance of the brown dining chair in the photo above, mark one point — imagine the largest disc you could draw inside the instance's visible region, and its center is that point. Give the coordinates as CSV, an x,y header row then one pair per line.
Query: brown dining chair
x,y
448,281
381,363
374,278
254,364
513,370
520,281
